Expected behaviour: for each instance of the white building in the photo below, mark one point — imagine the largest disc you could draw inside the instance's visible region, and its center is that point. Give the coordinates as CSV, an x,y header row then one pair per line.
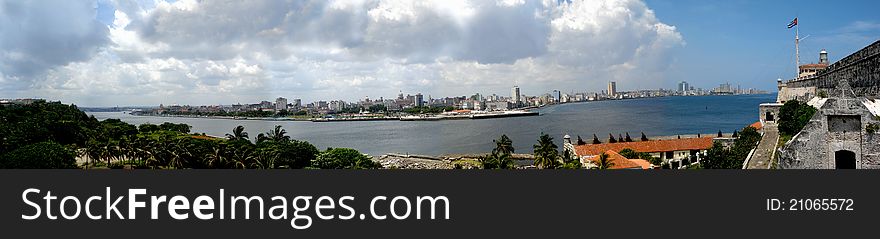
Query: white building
x,y
612,88
515,97
280,104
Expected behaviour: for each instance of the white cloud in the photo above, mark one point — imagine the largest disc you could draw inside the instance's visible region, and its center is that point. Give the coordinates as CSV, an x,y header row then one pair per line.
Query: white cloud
x,y
189,51
36,35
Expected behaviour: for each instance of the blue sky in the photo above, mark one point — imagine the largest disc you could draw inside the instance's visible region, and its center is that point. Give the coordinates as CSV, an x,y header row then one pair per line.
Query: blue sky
x,y
150,52
748,42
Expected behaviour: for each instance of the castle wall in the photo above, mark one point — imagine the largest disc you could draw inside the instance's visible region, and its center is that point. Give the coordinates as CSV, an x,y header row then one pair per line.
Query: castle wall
x,y
839,125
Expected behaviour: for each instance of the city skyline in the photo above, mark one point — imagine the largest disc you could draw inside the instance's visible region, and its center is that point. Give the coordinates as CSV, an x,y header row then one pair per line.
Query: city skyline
x,y
106,53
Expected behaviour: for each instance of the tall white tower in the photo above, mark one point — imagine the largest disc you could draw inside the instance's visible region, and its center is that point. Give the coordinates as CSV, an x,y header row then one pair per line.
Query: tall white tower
x,y
823,57
514,95
612,88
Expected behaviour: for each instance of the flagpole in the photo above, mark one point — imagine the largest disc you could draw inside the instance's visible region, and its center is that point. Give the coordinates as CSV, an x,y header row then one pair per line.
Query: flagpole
x,y
797,50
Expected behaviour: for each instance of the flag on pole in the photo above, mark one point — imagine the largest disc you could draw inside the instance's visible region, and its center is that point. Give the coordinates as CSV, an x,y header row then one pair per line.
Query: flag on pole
x,y
793,23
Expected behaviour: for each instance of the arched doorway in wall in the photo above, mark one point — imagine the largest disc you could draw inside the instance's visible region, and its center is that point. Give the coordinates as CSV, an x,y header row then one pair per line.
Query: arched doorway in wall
x,y
844,159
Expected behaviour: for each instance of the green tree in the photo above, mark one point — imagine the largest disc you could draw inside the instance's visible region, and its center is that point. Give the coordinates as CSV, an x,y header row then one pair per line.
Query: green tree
x,y
632,154
290,154
43,155
344,158
183,128
497,161
793,116
503,145
604,162
546,153
237,134
570,161
278,134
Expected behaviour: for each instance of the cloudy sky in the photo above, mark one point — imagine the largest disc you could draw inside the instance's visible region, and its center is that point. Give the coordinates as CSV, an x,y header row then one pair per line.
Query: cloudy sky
x,y
147,52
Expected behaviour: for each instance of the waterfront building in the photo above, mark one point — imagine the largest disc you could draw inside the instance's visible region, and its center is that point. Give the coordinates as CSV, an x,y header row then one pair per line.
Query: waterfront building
x,y
683,86
724,89
264,105
612,89
497,105
297,103
337,105
515,97
280,104
418,100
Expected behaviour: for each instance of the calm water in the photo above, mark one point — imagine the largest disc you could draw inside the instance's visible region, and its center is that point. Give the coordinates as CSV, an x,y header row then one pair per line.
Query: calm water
x,y
657,116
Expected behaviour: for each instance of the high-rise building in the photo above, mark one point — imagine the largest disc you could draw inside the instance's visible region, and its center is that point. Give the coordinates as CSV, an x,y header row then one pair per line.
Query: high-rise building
x,y
419,100
297,103
280,104
612,88
683,86
514,95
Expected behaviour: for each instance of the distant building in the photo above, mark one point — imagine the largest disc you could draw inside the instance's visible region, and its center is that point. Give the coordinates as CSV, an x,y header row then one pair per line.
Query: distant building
x,y
280,104
807,70
337,105
515,97
266,105
418,100
497,105
612,89
724,89
297,103
683,86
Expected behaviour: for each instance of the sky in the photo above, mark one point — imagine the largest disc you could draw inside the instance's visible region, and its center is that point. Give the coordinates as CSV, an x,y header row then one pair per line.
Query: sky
x,y
150,52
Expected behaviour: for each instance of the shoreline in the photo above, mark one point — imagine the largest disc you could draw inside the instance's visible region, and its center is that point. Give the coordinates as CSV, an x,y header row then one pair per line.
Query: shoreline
x,y
488,115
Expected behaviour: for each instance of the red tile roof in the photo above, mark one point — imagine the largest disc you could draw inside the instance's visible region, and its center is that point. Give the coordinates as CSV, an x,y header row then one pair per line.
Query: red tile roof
x,y
653,146
757,125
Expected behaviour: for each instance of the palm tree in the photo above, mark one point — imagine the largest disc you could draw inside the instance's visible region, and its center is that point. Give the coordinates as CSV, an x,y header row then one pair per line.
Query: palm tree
x,y
277,134
546,154
503,145
497,161
604,162
237,134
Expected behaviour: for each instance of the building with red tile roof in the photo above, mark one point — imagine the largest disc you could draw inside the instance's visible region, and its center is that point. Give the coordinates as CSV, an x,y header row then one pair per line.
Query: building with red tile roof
x,y
617,161
673,151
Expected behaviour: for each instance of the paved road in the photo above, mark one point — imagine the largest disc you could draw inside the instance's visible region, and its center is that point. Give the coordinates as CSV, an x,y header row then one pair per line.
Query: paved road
x,y
764,152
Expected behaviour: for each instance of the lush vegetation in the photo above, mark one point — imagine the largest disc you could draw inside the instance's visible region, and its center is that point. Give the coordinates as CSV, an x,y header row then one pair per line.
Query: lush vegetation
x,y
501,155
342,158
52,135
793,116
720,157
